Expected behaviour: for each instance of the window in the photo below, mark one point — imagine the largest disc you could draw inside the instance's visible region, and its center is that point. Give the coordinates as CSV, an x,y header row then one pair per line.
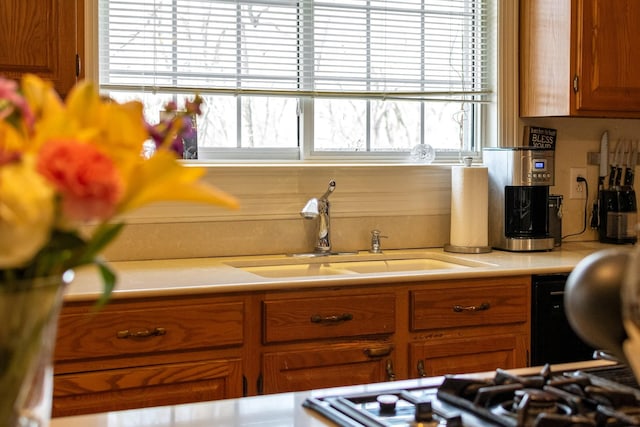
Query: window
x,y
305,79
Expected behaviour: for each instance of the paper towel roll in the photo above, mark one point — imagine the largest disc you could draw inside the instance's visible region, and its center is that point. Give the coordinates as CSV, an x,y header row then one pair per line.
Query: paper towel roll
x,y
469,209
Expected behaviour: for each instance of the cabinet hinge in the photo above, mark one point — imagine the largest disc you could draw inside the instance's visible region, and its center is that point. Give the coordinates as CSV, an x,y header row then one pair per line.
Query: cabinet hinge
x,y
78,65
575,83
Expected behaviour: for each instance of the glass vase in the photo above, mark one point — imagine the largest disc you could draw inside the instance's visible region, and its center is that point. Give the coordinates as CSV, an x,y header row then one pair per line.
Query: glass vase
x,y
29,310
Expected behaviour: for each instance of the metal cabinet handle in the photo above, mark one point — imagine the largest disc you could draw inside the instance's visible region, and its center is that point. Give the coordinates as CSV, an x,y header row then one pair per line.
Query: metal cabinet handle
x,y
482,307
421,372
336,318
391,376
143,333
378,352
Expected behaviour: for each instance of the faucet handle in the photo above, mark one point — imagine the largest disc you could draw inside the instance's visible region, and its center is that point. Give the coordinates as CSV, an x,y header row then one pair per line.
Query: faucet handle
x,y
376,248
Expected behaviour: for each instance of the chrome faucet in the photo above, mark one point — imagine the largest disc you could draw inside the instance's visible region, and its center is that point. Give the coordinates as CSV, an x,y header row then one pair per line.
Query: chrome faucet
x,y
319,208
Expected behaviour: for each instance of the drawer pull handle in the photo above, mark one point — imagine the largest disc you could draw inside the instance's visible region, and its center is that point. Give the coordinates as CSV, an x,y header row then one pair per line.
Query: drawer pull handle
x,y
143,333
336,318
482,307
420,367
378,352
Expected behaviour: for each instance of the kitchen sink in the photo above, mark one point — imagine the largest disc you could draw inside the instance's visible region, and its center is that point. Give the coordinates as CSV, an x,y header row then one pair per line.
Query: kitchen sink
x,y
398,265
295,270
364,263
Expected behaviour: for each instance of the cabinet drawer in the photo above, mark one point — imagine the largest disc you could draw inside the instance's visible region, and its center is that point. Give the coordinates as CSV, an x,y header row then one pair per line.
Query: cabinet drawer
x,y
469,306
134,328
158,385
328,317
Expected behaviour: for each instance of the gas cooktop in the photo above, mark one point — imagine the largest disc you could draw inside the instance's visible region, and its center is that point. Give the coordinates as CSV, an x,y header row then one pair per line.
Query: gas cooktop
x,y
604,396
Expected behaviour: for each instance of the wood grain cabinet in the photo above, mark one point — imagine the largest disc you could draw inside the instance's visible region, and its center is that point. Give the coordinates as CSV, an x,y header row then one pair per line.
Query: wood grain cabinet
x,y
42,38
469,326
139,353
320,339
579,58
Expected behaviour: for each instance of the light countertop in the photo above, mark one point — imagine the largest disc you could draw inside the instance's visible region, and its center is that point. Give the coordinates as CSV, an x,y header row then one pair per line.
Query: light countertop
x,y
275,410
216,275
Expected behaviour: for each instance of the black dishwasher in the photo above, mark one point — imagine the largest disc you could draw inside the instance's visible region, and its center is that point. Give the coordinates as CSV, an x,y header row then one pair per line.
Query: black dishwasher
x,y
552,339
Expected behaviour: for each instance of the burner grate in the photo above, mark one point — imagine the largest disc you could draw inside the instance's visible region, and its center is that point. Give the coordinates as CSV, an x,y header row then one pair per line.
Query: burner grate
x,y
590,397
620,374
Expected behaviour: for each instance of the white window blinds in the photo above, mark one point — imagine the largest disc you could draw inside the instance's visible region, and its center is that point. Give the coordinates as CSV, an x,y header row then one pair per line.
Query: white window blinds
x,y
386,49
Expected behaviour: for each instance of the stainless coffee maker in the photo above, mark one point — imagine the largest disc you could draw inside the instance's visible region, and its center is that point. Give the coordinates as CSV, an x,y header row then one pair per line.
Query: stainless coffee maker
x,y
519,181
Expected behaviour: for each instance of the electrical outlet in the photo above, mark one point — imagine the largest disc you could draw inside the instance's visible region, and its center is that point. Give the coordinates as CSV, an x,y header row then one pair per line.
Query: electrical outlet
x,y
577,190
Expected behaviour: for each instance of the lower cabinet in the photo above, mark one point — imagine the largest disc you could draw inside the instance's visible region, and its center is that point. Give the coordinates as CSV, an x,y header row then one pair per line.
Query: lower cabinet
x,y
148,352
469,326
327,338
141,352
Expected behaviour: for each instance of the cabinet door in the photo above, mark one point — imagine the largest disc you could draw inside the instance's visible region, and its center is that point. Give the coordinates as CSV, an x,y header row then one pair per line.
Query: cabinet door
x,y
327,366
147,386
608,64
477,354
39,37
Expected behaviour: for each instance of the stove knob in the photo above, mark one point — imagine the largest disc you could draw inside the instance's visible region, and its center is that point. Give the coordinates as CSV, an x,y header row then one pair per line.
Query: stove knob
x,y
424,411
387,403
453,421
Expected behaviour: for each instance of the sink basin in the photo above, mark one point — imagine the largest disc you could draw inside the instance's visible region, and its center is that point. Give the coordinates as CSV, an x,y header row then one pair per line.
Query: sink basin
x,y
332,265
295,270
398,265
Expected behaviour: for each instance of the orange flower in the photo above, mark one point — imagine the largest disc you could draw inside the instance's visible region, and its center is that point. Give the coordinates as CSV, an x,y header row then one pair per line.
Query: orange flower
x,y
82,160
86,178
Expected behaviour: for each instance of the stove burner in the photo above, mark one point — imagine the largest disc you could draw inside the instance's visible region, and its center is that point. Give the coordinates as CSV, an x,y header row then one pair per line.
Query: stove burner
x,y
546,399
528,404
534,399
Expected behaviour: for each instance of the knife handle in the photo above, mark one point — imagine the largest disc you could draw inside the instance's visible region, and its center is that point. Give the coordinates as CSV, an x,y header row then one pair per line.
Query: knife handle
x,y
604,154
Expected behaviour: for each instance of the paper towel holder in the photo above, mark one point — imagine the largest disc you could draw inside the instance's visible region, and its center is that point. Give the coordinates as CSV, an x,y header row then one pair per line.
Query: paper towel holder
x,y
467,160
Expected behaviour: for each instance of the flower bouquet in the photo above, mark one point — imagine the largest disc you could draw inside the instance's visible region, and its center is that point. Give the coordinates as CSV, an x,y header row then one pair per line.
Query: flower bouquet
x,y
65,165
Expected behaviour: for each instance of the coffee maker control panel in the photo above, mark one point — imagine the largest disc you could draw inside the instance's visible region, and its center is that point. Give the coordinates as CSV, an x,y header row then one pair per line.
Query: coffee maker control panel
x,y
537,170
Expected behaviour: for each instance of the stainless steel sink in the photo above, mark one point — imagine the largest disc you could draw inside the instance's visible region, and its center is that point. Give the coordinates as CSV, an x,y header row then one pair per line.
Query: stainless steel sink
x,y
364,263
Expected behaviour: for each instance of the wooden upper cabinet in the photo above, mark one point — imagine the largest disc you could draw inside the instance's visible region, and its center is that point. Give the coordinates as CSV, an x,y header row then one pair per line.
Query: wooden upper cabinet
x,y
39,37
579,58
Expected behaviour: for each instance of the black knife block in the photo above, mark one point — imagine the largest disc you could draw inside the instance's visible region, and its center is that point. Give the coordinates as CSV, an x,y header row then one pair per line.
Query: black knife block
x,y
618,216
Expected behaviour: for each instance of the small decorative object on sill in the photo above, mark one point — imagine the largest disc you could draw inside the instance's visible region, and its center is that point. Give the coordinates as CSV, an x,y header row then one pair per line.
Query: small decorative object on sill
x,y
68,172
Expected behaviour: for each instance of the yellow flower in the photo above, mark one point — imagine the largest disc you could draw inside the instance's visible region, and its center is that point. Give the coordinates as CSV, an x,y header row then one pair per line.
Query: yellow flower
x,y
89,168
26,212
